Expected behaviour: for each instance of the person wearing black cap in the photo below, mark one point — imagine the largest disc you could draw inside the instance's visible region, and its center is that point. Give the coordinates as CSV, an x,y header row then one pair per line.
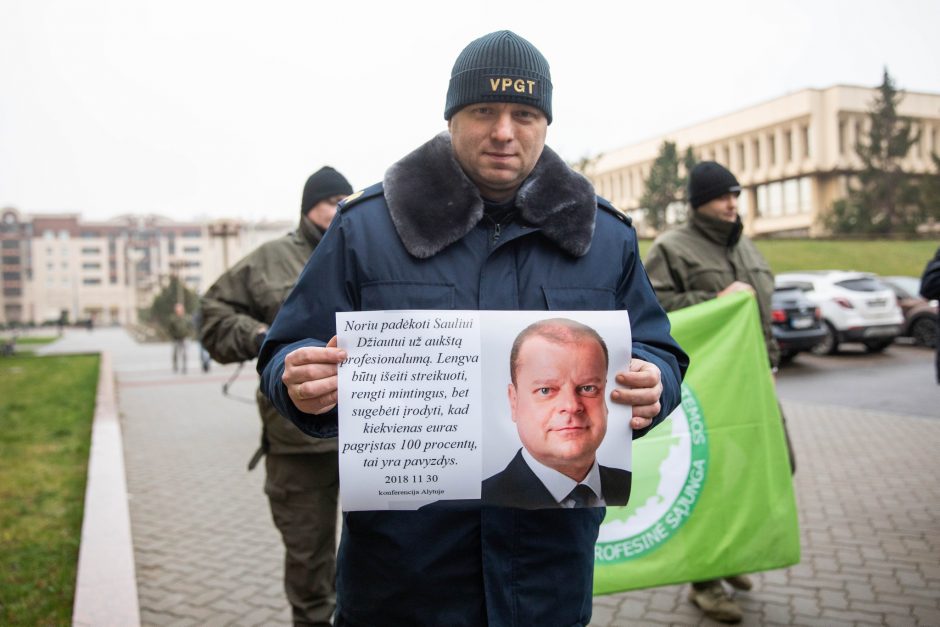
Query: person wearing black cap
x,y
302,476
710,257
484,216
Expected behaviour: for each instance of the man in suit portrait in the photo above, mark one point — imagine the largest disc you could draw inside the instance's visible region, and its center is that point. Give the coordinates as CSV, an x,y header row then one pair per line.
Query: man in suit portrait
x,y
557,396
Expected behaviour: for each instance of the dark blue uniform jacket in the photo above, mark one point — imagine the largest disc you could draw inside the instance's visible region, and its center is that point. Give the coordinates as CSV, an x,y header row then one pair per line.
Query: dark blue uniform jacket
x,y
418,242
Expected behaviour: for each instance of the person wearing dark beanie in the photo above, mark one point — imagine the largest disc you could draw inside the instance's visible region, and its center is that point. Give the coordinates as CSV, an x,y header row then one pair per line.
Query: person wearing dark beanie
x,y
326,184
481,216
301,472
710,180
710,257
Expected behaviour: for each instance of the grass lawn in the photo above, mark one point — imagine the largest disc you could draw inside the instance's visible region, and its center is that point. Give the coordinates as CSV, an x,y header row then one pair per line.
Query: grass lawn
x,y
885,257
46,409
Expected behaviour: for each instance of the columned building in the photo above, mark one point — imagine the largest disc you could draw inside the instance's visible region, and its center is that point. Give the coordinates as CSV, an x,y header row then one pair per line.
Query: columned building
x,y
793,155
56,265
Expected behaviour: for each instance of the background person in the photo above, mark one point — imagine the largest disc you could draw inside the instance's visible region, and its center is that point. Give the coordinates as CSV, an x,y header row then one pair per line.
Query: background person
x,y
178,327
710,257
482,217
302,478
558,401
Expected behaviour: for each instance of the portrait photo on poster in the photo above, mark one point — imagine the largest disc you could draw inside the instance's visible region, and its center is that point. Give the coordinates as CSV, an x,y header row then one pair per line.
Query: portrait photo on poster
x,y
551,436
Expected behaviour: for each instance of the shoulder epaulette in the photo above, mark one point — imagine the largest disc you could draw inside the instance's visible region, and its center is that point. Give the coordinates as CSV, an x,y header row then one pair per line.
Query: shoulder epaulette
x,y
604,204
357,197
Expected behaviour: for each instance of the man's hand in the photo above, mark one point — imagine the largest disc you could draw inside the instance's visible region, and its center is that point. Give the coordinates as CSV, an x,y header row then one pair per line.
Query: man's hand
x,y
737,286
310,377
641,387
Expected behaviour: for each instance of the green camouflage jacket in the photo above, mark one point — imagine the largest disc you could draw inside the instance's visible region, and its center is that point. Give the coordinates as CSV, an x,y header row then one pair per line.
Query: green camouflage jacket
x,y
248,296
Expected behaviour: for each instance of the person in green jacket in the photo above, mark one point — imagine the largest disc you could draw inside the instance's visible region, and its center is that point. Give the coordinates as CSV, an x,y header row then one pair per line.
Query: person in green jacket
x,y
710,257
178,327
302,478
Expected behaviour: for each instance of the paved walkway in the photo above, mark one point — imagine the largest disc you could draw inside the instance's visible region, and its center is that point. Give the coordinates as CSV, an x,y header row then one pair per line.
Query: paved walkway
x,y
207,553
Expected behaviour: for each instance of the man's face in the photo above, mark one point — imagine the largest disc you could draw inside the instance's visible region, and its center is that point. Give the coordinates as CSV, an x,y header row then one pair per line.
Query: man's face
x,y
497,144
558,402
322,213
723,208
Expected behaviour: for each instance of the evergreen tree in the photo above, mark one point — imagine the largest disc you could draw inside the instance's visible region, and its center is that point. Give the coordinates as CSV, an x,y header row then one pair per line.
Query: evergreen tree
x,y
884,199
665,185
163,304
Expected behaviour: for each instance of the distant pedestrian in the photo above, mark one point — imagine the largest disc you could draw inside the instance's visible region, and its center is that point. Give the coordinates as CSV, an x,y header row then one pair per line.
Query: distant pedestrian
x,y
178,327
302,480
710,257
930,288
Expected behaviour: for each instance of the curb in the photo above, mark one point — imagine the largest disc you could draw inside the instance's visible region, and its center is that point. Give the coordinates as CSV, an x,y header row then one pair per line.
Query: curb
x,y
106,584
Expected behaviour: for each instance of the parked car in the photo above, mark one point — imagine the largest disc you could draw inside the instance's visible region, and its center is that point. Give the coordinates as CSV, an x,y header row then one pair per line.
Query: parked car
x,y
855,306
796,322
920,314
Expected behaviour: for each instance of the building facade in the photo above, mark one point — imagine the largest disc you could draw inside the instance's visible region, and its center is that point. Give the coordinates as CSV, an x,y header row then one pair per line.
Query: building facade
x,y
793,155
57,266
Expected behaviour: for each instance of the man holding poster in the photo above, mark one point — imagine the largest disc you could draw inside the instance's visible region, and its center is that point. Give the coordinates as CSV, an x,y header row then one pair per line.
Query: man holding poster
x,y
557,396
483,217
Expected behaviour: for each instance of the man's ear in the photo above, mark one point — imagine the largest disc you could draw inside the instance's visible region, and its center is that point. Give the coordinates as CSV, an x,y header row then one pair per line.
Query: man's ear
x,y
511,390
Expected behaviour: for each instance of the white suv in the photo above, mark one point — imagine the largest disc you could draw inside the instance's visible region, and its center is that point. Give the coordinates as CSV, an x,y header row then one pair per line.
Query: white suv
x,y
856,307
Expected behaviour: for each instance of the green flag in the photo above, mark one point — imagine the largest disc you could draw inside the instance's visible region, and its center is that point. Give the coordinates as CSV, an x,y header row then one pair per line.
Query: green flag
x,y
712,492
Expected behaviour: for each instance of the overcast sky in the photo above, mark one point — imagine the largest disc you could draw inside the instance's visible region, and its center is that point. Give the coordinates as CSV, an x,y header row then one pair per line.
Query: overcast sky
x,y
213,108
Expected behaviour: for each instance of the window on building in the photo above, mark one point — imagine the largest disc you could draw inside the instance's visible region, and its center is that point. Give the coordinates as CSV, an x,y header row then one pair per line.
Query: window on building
x,y
13,260
91,250
772,144
48,234
9,244
791,196
63,234
806,150
91,281
841,137
744,207
12,291
756,150
192,233
742,162
788,146
761,208
91,265
775,199
11,276
806,195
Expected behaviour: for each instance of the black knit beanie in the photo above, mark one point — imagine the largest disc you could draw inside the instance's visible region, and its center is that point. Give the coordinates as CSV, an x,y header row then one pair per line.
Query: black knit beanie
x,y
500,67
710,180
324,183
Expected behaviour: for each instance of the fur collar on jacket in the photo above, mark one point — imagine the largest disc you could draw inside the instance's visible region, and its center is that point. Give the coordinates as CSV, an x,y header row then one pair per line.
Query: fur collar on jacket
x,y
433,204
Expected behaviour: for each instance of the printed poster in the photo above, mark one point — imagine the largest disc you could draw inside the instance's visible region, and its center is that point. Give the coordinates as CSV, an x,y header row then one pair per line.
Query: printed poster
x,y
509,406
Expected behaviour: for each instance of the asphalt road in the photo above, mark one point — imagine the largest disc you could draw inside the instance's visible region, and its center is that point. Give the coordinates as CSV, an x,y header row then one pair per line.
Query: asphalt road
x,y
900,380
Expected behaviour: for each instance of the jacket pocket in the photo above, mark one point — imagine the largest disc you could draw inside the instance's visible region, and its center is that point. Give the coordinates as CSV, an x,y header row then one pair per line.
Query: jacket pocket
x,y
579,298
407,295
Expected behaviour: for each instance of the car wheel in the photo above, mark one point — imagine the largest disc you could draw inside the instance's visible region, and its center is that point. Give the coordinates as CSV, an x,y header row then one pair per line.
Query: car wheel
x,y
786,357
924,332
877,346
829,344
